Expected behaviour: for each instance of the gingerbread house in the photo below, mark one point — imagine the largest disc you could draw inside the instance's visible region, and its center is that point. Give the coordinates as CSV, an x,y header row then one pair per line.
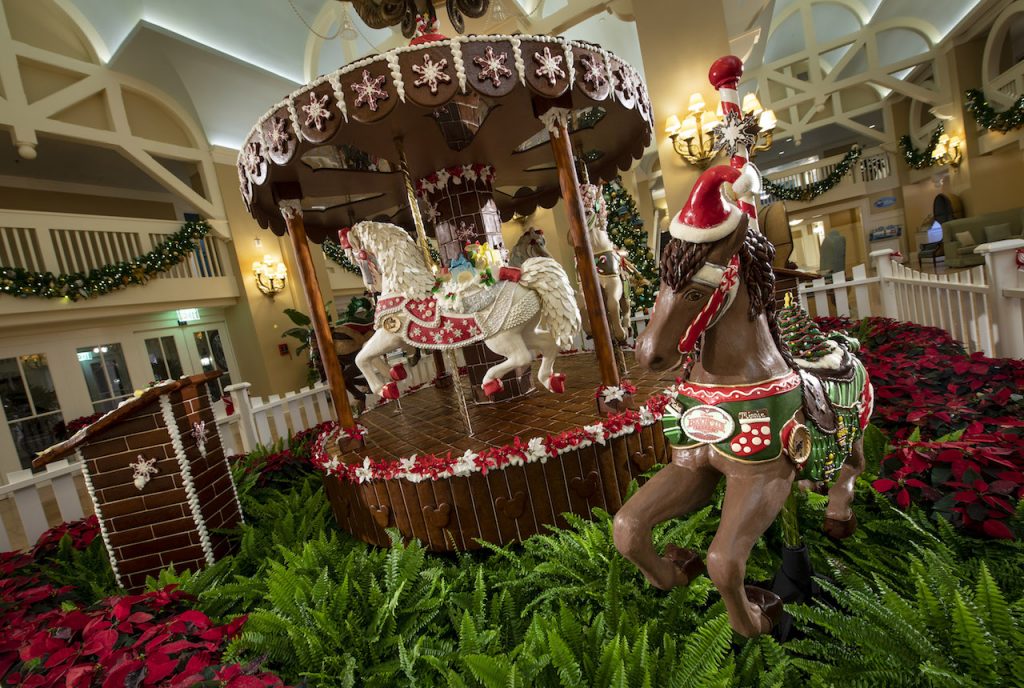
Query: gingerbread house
x,y
159,481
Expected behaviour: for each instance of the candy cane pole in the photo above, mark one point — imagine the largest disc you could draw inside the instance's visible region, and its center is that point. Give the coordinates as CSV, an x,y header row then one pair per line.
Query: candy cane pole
x,y
725,75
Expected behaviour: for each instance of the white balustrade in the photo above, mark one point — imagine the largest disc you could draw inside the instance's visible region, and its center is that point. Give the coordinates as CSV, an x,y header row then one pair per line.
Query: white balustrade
x,y
981,307
874,166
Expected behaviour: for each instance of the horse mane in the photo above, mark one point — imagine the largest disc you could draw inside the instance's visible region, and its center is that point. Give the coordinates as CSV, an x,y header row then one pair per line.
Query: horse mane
x,y
681,260
399,257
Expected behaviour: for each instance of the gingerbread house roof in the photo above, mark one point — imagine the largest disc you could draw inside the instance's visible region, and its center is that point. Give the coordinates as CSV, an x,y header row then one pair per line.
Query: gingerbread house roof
x,y
122,412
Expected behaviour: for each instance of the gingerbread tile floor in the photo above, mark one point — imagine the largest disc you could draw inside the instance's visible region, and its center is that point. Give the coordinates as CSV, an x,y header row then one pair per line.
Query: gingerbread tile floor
x,y
428,420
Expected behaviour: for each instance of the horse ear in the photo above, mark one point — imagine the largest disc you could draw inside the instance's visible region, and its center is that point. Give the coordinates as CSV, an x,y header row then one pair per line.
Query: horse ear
x,y
725,248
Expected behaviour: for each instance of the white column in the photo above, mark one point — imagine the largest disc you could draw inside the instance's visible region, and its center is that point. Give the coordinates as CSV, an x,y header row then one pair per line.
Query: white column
x,y
1005,312
882,260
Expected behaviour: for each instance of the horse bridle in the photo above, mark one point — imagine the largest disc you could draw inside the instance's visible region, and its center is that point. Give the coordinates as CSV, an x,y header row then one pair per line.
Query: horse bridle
x,y
724,279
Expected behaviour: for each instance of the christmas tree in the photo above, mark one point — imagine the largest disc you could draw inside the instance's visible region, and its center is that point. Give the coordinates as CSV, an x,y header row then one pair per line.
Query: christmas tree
x,y
801,334
626,230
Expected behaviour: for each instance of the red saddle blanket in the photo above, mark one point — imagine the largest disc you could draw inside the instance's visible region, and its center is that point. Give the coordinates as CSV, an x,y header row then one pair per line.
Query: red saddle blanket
x,y
425,324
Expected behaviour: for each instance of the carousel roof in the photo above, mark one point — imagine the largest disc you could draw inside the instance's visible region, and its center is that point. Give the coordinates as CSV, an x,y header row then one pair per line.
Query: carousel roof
x,y
334,143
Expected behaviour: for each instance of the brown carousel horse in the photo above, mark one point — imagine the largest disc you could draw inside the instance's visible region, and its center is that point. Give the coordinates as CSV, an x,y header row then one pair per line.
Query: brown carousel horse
x,y
746,412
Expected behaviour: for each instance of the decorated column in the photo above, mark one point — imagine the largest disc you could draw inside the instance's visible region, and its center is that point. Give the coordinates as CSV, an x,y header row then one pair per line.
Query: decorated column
x,y
460,202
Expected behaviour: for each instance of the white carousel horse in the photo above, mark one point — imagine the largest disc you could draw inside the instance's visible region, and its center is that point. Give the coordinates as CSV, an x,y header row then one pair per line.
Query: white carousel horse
x,y
529,310
613,270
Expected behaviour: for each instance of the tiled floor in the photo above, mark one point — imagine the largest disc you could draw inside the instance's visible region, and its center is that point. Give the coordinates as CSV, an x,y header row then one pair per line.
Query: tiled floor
x,y
428,421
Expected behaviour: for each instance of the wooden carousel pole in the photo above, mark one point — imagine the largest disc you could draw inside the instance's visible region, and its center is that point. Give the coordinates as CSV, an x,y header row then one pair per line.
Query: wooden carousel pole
x,y
556,119
292,212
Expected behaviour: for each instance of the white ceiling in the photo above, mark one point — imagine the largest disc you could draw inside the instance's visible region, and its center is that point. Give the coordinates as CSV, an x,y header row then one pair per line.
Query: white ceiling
x,y
227,61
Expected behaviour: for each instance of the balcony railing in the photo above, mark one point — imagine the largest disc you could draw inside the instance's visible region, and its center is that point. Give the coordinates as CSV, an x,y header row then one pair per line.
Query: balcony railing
x,y
874,168
65,243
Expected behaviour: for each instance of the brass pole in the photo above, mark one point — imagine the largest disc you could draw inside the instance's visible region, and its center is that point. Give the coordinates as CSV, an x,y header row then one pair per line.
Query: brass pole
x,y
317,312
414,207
562,147
443,379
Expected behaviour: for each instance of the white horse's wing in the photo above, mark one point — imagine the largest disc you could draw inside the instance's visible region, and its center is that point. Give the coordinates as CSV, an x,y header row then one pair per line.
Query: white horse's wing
x,y
559,314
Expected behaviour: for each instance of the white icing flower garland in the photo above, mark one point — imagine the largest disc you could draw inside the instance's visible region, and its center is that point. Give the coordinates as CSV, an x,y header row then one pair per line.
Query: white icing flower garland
x,y
417,469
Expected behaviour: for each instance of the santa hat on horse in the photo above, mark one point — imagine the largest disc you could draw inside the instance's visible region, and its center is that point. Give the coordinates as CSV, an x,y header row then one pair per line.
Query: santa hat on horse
x,y
708,216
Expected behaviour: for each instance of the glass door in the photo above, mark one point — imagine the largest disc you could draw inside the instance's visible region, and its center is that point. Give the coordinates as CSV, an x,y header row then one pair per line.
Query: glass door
x,y
30,405
211,353
106,375
164,358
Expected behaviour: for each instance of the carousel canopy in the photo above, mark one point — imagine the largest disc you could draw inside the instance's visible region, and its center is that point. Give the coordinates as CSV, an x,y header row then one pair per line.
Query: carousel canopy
x,y
334,144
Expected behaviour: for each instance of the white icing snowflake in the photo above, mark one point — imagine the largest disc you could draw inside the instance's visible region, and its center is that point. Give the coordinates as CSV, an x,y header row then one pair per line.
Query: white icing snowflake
x,y
252,159
437,337
432,212
141,471
369,91
199,433
492,66
550,66
278,135
317,111
593,71
735,130
431,73
465,232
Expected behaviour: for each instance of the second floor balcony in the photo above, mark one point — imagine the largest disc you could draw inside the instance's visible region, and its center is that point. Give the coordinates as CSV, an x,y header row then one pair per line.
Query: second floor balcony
x,y
64,243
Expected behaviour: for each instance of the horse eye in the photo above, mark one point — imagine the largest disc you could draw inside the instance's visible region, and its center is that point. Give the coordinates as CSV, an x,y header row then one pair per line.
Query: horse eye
x,y
693,295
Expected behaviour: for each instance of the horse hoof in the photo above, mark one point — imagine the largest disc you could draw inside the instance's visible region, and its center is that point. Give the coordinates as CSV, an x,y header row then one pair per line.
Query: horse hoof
x,y
493,387
398,372
389,391
686,560
768,602
840,530
556,383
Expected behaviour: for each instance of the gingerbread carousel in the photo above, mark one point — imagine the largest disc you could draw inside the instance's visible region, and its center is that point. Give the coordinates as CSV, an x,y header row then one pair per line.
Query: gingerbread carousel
x,y
457,135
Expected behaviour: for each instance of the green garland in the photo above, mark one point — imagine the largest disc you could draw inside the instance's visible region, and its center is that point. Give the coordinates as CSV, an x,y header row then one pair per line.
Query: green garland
x,y
919,160
809,192
986,116
77,286
336,253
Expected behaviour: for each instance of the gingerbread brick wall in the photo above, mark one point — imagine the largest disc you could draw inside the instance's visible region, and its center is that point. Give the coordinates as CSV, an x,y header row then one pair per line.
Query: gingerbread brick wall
x,y
210,474
150,529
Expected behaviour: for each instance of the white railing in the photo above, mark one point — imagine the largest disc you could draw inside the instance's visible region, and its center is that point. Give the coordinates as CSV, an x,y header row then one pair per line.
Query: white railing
x,y
638,322
61,243
981,307
26,496
265,420
875,165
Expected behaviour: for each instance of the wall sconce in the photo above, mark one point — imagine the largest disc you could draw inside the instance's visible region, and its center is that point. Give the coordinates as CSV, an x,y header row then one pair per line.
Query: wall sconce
x,y
765,122
947,151
270,275
692,138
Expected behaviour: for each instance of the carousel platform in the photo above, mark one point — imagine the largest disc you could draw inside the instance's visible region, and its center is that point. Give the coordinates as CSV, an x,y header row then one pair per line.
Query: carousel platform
x,y
503,492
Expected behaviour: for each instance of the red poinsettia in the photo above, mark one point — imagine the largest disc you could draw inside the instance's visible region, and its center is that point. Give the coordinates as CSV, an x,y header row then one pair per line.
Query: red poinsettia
x,y
81,532
956,422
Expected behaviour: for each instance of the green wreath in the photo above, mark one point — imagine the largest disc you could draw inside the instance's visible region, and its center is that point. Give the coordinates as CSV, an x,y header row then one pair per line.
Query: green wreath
x,y
919,160
809,192
985,115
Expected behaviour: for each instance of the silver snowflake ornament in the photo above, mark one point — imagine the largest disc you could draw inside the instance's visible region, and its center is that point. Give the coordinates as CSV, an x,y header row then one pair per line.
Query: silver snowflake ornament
x,y
318,112
431,73
593,71
492,67
278,135
550,66
735,130
369,91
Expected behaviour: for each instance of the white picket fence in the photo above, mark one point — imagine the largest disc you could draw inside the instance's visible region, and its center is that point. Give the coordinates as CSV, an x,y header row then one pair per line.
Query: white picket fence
x,y
982,307
31,503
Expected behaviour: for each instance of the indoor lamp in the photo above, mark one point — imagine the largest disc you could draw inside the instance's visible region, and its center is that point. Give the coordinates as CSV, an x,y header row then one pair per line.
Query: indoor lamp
x,y
947,151
693,138
270,275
